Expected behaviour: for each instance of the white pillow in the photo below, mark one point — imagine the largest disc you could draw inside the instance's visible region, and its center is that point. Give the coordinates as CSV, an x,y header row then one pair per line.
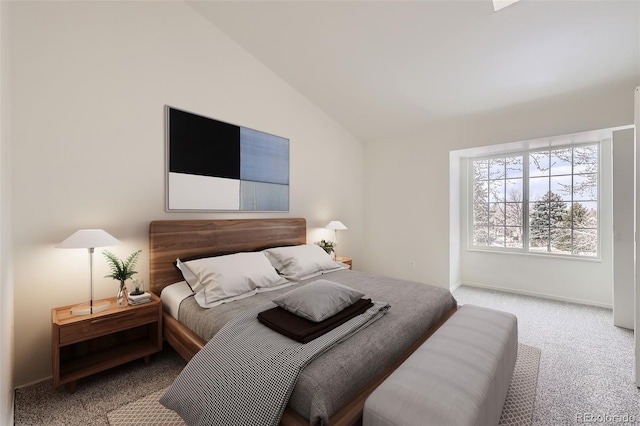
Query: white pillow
x,y
318,300
189,277
302,261
216,278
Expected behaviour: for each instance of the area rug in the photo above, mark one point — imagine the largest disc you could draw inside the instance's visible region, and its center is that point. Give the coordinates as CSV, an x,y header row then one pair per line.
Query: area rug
x,y
517,410
518,407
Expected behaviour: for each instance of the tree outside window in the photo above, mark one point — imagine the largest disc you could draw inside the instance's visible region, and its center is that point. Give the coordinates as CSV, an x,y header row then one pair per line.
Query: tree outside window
x,y
556,190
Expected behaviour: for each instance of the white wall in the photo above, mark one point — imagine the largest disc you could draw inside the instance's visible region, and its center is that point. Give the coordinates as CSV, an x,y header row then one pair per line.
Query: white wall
x,y
6,281
90,83
624,196
637,285
407,204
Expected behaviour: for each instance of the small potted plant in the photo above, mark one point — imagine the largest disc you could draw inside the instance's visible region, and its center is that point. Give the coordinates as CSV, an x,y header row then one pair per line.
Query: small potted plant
x,y
328,246
121,271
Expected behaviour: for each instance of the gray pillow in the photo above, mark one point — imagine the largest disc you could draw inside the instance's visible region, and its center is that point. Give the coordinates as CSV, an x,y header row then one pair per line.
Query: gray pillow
x,y
318,300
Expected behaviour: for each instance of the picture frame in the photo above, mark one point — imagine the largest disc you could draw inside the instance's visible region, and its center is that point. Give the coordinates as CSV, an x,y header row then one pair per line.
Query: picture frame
x,y
213,165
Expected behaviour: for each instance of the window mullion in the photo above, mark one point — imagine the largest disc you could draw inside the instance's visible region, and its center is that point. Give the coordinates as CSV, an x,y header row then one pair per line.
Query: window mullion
x,y
525,202
549,205
488,204
571,206
504,205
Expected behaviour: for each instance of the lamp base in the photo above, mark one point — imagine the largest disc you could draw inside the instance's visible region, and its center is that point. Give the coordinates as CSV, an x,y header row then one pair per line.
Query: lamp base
x,y
85,308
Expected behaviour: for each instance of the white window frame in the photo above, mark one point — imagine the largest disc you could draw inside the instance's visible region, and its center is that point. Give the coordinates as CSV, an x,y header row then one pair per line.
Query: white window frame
x,y
526,203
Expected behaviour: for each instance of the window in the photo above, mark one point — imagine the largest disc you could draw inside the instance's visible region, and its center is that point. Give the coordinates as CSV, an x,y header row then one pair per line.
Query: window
x,y
542,201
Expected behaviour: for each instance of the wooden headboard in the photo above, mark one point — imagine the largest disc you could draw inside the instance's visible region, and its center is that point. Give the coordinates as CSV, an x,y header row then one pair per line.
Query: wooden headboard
x,y
193,239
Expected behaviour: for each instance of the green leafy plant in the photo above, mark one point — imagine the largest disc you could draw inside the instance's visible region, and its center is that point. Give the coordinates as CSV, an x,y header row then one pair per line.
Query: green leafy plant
x,y
121,270
328,246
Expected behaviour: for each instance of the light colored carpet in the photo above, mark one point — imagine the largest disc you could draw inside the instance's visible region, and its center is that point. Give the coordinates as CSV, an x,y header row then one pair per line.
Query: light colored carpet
x,y
587,364
42,404
517,410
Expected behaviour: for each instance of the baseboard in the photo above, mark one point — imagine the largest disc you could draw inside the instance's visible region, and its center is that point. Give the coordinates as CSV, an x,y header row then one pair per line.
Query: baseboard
x,y
455,286
12,413
540,295
24,385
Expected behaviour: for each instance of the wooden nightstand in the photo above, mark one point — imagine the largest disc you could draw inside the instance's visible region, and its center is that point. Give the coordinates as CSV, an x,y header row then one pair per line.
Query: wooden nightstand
x,y
87,344
346,260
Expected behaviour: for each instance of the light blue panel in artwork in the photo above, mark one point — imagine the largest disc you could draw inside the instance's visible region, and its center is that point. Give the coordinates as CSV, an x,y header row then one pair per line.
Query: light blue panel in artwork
x,y
260,196
263,157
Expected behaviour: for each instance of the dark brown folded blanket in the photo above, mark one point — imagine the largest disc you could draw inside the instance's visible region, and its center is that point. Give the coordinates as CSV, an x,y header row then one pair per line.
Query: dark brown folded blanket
x,y
303,330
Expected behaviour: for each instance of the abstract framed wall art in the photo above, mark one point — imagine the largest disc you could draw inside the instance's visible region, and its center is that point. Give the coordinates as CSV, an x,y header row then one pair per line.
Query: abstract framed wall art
x,y
216,166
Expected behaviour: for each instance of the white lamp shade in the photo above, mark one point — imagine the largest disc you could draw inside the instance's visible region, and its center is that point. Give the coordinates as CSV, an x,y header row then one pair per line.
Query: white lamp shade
x,y
335,224
89,238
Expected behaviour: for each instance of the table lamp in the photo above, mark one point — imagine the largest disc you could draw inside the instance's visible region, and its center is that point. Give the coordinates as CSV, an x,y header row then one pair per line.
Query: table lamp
x,y
336,225
89,239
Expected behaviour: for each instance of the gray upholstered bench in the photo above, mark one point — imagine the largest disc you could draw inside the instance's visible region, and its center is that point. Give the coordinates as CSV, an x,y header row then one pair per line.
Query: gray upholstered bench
x,y
460,376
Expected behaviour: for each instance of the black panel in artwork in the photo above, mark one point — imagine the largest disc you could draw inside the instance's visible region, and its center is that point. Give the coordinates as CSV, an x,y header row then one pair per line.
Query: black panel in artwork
x,y
203,146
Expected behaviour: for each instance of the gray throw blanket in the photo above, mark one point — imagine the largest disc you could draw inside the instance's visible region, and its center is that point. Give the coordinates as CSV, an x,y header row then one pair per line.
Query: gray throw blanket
x,y
245,374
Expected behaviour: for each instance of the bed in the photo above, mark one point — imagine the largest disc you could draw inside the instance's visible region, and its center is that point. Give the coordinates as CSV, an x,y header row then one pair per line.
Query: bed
x,y
193,239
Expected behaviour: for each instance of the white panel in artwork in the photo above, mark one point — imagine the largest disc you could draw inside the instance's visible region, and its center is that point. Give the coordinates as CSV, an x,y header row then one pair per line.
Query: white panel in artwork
x,y
194,192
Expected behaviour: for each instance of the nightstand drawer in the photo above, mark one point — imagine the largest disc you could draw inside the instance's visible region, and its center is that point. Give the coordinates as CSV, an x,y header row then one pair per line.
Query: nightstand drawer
x,y
95,327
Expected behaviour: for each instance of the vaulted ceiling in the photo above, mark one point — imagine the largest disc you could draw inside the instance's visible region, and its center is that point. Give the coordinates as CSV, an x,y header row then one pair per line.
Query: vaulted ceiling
x,y
386,67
